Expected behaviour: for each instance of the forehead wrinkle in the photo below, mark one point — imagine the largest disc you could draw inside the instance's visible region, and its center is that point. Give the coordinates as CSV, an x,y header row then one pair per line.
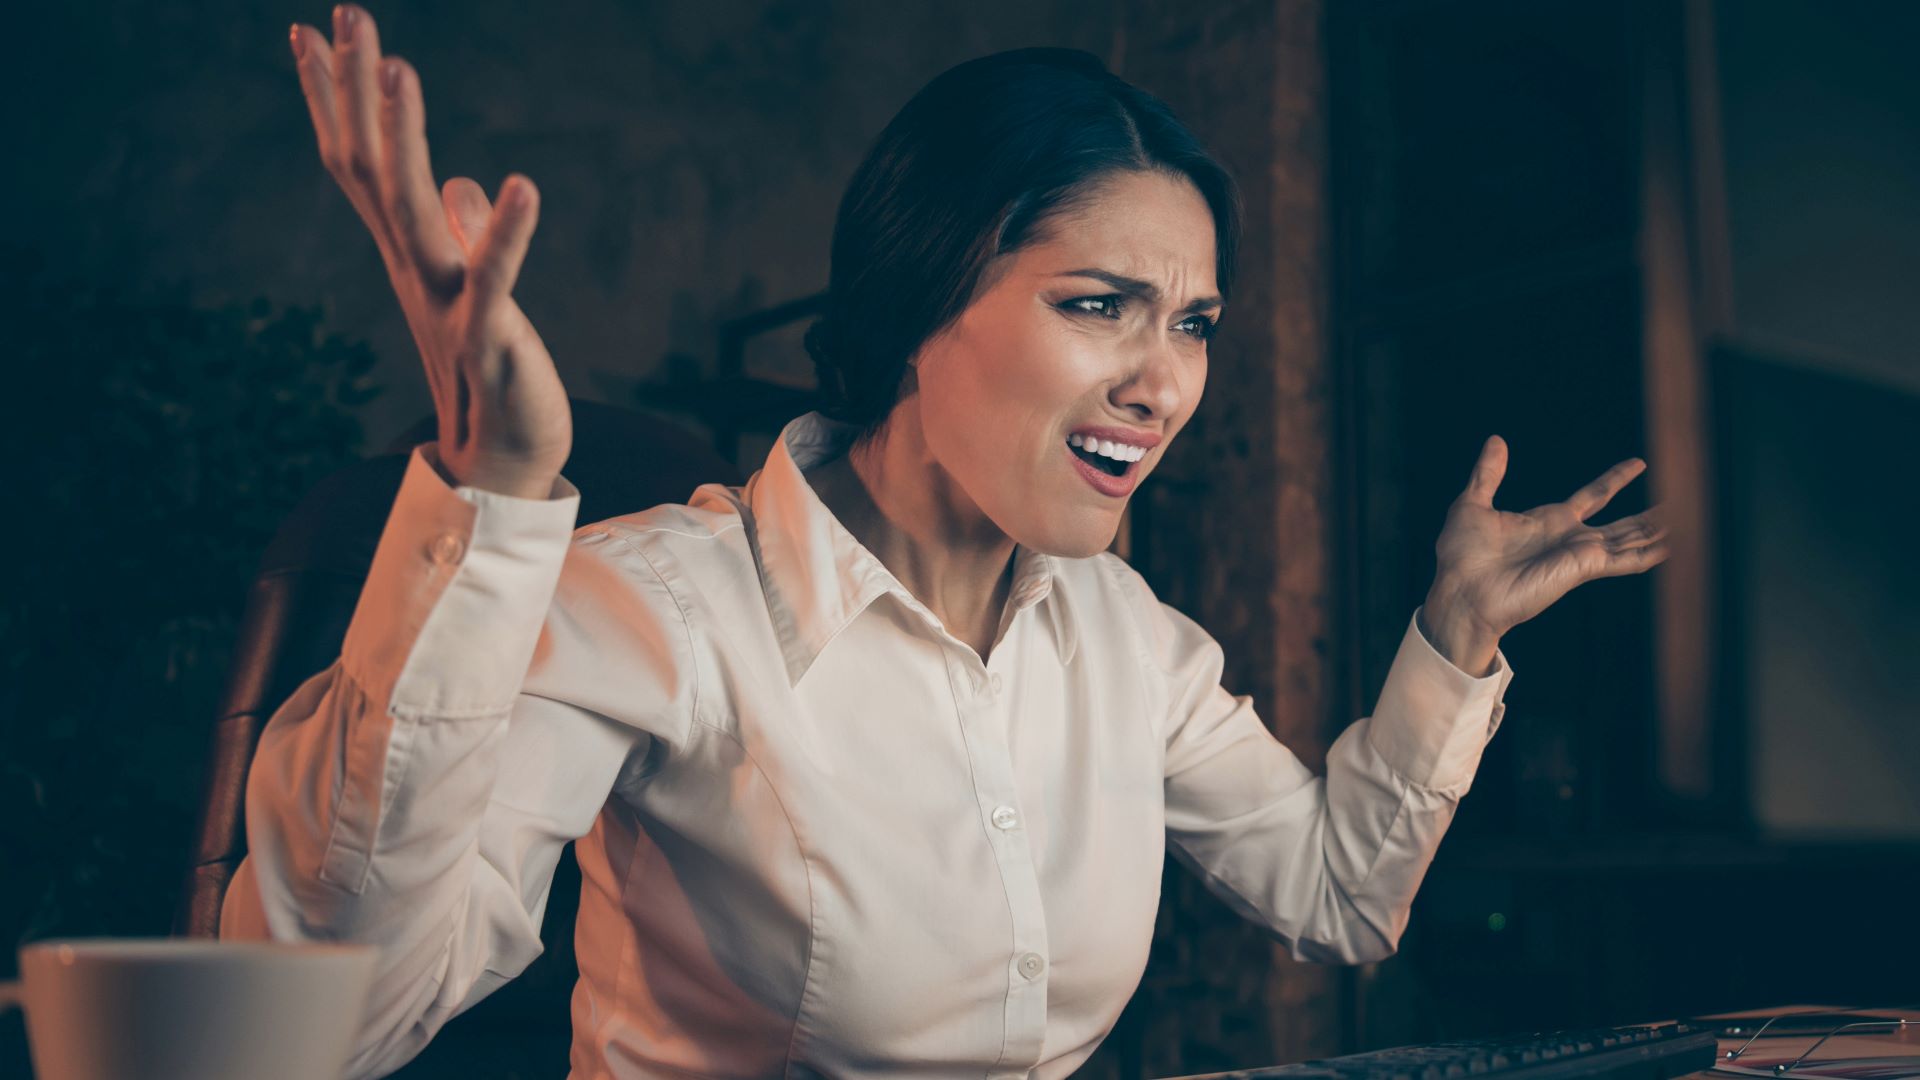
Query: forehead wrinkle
x,y
1162,271
1141,284
1113,232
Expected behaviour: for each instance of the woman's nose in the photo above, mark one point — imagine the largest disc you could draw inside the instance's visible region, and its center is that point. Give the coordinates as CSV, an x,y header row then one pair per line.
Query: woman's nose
x,y
1156,387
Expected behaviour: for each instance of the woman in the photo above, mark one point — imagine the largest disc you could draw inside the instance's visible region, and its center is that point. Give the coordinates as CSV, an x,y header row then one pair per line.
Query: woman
x,y
874,759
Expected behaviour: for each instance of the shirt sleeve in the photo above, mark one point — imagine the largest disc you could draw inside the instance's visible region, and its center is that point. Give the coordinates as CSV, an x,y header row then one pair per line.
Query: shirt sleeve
x,y
500,675
1327,864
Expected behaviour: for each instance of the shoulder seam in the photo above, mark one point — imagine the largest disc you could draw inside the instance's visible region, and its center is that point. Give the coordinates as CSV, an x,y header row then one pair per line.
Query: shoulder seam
x,y
1117,570
1132,596
627,532
686,624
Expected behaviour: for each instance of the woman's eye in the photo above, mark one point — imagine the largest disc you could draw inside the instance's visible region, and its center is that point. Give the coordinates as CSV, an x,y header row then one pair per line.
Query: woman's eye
x,y
1116,303
1113,304
1205,330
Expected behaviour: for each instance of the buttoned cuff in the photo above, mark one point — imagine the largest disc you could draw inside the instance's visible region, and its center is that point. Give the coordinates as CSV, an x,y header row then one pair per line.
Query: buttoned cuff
x,y
1434,720
458,592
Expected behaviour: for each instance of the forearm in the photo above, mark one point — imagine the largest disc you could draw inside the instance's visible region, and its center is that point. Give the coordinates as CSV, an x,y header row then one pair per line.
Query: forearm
x,y
1328,864
374,782
1395,780
324,865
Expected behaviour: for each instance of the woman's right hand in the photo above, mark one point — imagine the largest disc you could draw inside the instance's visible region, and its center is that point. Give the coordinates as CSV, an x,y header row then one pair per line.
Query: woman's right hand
x,y
505,425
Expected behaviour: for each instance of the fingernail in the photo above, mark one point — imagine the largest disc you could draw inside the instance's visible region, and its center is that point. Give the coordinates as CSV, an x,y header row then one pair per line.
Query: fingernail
x,y
343,22
390,77
299,45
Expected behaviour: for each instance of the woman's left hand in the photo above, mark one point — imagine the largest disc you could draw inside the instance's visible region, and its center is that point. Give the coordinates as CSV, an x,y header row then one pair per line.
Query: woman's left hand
x,y
1496,570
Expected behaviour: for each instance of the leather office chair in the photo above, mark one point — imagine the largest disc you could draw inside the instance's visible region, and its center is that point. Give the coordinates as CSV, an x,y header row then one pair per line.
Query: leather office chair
x,y
295,620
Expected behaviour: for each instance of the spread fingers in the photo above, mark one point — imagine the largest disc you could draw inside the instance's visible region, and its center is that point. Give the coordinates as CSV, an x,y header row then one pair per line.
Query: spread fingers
x,y
356,55
406,179
467,210
1588,500
1641,529
495,264
313,59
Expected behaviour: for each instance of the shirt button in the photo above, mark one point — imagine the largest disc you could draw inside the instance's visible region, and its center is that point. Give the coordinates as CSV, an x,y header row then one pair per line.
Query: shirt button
x,y
995,682
1005,817
447,548
1031,965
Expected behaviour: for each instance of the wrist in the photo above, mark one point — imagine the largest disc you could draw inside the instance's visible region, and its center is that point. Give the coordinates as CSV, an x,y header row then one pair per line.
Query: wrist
x,y
517,485
493,477
1465,642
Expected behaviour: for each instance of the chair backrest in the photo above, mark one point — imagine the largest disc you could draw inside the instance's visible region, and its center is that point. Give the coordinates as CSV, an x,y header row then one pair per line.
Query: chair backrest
x,y
310,579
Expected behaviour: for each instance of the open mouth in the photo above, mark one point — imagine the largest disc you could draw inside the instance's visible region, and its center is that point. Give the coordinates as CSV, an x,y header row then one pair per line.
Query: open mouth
x,y
1110,466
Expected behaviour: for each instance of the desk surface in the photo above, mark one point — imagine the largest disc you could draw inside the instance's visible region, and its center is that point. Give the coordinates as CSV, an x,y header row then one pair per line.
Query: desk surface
x,y
1885,1052
1880,1052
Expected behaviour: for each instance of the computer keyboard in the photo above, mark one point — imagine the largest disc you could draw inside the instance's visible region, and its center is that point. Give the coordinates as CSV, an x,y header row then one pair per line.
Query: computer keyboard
x,y
1654,1052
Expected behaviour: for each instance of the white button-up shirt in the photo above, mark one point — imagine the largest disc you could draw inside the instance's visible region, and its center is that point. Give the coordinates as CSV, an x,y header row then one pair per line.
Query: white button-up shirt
x,y
818,836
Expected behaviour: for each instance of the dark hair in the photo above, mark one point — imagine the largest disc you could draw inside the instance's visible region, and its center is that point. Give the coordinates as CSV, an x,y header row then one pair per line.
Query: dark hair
x,y
974,166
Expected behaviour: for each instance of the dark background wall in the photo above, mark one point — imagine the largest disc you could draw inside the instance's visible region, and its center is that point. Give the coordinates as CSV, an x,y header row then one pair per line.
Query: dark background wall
x,y
1463,195
1823,208
690,156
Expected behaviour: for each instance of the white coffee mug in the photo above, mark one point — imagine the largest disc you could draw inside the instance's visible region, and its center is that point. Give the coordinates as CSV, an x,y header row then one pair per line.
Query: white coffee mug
x,y
177,1008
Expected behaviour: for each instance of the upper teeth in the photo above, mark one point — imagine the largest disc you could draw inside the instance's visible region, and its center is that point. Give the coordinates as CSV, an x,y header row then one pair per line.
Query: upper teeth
x,y
1105,448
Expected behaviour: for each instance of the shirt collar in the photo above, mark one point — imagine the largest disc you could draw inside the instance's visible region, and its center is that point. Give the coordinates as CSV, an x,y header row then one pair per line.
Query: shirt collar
x,y
816,577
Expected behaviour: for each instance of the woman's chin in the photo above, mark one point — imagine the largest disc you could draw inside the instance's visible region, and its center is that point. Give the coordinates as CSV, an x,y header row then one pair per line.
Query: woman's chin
x,y
1090,539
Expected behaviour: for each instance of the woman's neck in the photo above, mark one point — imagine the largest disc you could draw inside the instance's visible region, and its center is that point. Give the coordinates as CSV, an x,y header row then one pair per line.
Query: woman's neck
x,y
894,497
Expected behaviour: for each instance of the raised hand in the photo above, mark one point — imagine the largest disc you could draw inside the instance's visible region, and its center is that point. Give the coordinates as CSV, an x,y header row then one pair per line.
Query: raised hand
x,y
452,257
1495,570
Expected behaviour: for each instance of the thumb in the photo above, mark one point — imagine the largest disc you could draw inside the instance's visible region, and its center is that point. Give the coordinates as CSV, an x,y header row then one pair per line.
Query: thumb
x,y
1487,473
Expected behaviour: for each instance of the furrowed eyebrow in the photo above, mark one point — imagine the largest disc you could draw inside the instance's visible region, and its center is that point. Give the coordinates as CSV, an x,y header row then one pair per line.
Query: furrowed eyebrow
x,y
1144,290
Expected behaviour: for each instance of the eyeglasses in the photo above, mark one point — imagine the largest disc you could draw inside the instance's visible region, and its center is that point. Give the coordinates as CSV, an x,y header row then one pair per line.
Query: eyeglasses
x,y
1782,1070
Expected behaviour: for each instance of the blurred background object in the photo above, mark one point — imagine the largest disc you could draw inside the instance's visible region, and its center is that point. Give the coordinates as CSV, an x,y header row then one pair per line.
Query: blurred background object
x,y
1679,229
